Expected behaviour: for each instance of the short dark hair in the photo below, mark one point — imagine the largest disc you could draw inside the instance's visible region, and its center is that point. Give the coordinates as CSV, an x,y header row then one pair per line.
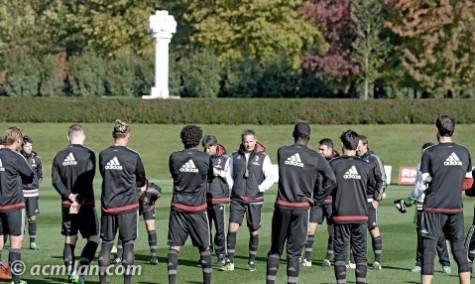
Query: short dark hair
x,y
445,125
121,129
427,145
209,140
191,136
75,127
247,132
350,139
27,139
301,130
326,141
364,139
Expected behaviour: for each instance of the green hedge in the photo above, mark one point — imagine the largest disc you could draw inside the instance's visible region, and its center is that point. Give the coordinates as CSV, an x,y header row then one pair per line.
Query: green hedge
x,y
234,111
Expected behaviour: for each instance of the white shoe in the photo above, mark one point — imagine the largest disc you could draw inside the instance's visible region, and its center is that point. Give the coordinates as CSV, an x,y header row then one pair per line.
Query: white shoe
x,y
326,263
350,265
377,266
228,267
306,263
416,269
446,269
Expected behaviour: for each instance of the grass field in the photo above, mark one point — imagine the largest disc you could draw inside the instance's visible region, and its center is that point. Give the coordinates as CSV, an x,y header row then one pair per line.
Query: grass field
x,y
396,144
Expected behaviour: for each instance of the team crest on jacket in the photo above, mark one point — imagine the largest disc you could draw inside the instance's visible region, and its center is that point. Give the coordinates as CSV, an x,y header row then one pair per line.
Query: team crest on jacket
x,y
69,160
294,160
2,169
113,164
453,160
256,161
189,167
352,173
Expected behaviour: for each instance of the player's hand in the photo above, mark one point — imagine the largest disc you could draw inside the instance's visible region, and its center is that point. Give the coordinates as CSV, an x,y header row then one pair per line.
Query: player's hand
x,y
74,208
216,172
73,197
400,205
375,204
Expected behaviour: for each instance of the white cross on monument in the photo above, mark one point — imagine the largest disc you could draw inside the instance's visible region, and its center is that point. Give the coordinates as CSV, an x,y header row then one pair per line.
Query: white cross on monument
x,y
161,25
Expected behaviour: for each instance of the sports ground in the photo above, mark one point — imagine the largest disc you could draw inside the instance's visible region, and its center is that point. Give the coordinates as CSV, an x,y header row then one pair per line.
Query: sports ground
x,y
397,145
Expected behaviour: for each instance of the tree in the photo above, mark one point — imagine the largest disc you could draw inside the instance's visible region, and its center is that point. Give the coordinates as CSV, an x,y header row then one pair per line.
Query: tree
x,y
370,48
437,41
251,28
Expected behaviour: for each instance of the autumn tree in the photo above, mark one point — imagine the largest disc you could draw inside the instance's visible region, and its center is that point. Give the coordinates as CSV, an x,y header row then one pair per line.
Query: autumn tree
x,y
437,41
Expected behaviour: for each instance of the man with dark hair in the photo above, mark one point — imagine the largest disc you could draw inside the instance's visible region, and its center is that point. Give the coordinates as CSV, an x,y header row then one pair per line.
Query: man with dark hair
x,y
73,173
31,190
417,196
217,194
250,175
14,172
299,168
321,210
350,207
375,195
190,170
446,168
123,180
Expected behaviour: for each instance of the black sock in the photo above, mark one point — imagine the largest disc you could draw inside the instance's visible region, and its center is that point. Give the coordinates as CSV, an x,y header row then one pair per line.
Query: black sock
x,y
104,260
13,257
68,256
231,246
152,241
253,245
87,255
360,272
32,231
377,248
120,249
128,260
340,271
309,247
172,265
272,268
206,266
329,248
293,270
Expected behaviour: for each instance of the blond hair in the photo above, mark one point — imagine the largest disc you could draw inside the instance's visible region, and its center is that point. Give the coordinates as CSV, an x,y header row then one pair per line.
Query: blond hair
x,y
121,129
12,135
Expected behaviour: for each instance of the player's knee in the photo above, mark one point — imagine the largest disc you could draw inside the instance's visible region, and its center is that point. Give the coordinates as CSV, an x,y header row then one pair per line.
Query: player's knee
x,y
254,232
175,248
71,240
375,231
233,227
312,228
94,239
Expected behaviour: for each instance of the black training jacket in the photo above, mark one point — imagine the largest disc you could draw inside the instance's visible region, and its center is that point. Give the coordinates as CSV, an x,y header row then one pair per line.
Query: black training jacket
x,y
73,172
122,174
14,172
218,189
376,192
299,168
353,177
31,189
190,170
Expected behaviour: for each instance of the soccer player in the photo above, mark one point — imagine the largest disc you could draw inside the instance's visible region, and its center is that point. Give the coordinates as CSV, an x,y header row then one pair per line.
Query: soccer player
x,y
217,194
250,175
73,173
147,210
31,191
299,168
319,211
375,195
417,196
14,172
350,205
446,168
190,170
123,179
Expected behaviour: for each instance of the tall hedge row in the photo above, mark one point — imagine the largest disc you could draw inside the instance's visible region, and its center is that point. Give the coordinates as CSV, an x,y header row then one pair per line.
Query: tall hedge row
x,y
233,111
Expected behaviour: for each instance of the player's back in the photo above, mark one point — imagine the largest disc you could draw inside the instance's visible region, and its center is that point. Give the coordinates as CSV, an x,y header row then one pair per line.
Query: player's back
x,y
447,164
190,170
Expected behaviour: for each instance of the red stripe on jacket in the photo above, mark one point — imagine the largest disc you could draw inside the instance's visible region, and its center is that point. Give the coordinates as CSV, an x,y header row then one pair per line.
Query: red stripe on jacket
x,y
120,209
190,208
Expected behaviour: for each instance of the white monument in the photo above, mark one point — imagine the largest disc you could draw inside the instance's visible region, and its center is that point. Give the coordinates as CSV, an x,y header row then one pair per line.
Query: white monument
x,y
161,25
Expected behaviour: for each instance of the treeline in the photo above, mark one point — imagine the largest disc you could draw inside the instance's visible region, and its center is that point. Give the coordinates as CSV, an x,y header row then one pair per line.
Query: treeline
x,y
265,48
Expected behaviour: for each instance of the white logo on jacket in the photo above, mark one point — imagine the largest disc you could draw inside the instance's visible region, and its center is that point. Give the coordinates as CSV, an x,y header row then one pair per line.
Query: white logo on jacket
x,y
113,164
189,167
70,160
352,173
2,169
294,160
453,160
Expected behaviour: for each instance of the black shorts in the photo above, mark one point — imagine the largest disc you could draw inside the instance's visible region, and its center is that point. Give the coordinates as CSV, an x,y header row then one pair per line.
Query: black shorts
x,y
318,212
372,216
125,223
32,206
434,225
252,211
148,214
182,224
12,222
354,235
289,225
85,222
